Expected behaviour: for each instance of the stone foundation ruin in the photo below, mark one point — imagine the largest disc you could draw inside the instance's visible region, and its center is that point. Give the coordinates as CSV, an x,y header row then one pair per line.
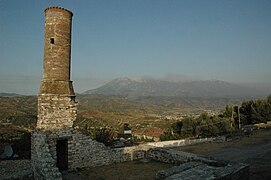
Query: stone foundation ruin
x,y
57,147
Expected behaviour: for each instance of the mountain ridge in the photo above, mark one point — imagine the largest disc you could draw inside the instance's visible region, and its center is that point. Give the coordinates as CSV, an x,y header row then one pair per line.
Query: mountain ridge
x,y
133,88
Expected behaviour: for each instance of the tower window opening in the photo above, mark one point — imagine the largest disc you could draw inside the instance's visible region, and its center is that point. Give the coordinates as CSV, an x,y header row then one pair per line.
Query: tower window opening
x,y
52,41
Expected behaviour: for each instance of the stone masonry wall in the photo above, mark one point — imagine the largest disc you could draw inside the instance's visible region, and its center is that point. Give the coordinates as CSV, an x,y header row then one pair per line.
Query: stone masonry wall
x,y
56,112
43,165
82,152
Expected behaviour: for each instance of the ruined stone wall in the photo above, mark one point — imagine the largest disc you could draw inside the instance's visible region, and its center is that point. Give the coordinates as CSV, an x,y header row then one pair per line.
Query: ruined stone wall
x,y
43,165
84,152
181,142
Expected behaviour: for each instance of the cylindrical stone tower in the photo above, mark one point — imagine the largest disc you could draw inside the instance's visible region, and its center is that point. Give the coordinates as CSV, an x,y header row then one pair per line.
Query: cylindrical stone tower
x,y
57,52
56,100
57,44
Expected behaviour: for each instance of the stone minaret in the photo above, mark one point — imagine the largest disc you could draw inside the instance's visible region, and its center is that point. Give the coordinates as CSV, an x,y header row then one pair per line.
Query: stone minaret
x,y
56,99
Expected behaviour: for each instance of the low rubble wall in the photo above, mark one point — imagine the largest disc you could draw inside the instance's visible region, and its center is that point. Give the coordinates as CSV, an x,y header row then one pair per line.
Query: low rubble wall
x,y
182,142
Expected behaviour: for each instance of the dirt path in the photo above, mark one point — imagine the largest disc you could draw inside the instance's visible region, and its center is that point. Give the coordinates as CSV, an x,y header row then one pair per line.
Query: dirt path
x,y
254,150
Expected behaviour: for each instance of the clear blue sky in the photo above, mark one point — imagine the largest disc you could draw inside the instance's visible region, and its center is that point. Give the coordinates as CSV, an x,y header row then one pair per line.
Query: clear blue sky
x,y
227,40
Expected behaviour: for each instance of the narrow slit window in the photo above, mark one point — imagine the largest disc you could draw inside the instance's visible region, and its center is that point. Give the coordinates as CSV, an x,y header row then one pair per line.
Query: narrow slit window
x,y
52,41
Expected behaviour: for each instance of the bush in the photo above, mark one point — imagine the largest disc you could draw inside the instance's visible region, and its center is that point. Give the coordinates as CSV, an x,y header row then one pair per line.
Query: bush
x,y
104,135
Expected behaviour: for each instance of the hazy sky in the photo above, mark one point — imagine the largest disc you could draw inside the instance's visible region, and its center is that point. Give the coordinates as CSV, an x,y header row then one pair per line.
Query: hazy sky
x,y
228,40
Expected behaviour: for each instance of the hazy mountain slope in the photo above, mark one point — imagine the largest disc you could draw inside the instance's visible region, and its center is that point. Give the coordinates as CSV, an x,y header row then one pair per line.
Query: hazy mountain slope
x,y
9,94
133,89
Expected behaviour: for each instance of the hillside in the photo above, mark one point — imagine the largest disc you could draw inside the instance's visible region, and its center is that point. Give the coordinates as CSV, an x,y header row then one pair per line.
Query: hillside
x,y
18,110
93,110
113,111
96,110
189,104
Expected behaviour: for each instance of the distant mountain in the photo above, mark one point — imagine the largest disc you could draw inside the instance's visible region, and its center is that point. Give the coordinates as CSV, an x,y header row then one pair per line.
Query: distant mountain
x,y
149,87
9,94
134,88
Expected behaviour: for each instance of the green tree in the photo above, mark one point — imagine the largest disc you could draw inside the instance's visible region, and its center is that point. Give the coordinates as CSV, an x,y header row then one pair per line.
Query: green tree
x,y
167,135
104,135
189,128
268,108
269,99
126,126
246,111
228,111
177,127
257,111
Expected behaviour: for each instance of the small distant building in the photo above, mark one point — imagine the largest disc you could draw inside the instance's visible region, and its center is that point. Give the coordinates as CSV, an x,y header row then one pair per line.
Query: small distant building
x,y
127,132
149,133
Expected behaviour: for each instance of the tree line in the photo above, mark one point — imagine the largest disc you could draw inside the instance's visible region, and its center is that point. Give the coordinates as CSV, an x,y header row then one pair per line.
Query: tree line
x,y
250,112
229,121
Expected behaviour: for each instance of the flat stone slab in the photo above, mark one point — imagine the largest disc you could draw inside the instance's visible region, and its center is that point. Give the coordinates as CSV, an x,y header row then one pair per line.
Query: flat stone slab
x,y
199,170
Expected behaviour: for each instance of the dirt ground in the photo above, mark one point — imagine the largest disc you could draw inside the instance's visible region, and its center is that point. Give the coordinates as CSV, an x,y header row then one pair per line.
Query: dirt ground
x,y
254,150
133,170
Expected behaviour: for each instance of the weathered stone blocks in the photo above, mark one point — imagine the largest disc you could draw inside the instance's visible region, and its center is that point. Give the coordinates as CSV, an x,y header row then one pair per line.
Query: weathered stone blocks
x,y
56,112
